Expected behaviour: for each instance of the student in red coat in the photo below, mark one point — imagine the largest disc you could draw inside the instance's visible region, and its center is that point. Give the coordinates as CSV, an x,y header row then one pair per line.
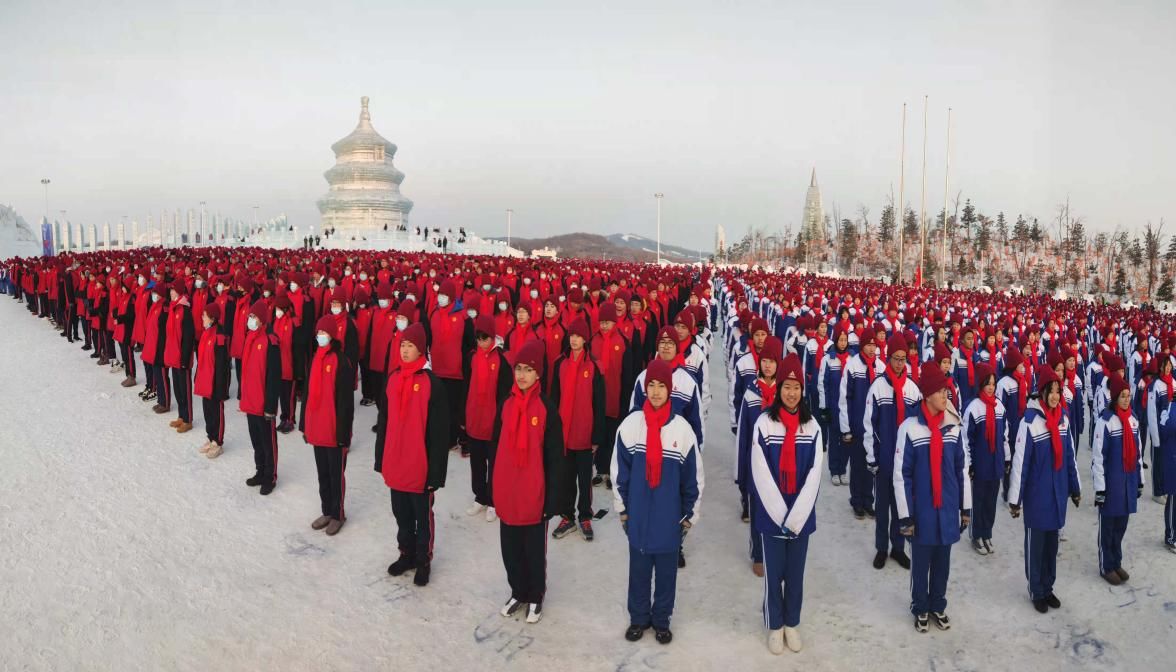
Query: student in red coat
x,y
153,347
412,452
610,349
529,472
450,336
283,327
490,378
139,333
177,354
261,382
362,314
383,330
212,379
246,296
554,335
578,393
124,326
326,422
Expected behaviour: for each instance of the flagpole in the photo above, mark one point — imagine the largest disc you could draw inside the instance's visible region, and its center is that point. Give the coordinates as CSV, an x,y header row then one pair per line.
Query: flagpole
x,y
923,199
901,216
946,182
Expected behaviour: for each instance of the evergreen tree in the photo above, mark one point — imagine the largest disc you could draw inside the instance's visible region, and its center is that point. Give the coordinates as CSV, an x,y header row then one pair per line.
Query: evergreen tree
x,y
1135,252
1119,289
1051,282
910,225
1020,231
1152,242
989,280
1077,238
968,219
1035,232
1164,293
1170,255
983,233
849,246
1002,228
886,225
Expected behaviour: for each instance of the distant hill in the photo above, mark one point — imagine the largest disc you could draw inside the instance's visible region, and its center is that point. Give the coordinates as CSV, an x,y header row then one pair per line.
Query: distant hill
x,y
617,247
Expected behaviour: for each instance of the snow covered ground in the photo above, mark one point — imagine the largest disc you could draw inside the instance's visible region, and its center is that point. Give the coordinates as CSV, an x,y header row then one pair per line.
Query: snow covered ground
x,y
124,549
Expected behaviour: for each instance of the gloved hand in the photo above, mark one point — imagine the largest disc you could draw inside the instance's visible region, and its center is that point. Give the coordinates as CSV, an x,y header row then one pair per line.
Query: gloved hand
x,y
965,520
789,534
847,438
625,522
1077,499
685,527
1014,511
972,471
1008,467
1100,498
906,527
873,467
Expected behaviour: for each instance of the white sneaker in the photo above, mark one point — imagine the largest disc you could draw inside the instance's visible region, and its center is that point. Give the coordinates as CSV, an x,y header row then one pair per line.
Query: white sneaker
x,y
205,446
792,639
475,509
214,451
534,613
491,515
1171,547
1160,499
776,641
1062,535
512,605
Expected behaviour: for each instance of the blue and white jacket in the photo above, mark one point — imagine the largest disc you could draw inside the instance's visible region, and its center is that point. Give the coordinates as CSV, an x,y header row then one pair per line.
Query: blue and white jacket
x,y
851,395
1157,404
753,406
656,514
959,373
912,479
745,374
811,365
1008,393
773,512
1106,465
881,420
1034,483
829,385
695,361
684,399
988,462
1094,379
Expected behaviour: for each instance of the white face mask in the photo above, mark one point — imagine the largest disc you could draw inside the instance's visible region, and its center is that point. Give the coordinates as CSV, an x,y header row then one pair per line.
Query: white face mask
x,y
363,276
346,272
402,323
383,303
442,300
142,281
207,324
485,288
502,305
331,283
253,323
279,312
534,293
323,340
266,294
199,284
220,289
526,281
335,310
293,286
472,313
432,274
410,297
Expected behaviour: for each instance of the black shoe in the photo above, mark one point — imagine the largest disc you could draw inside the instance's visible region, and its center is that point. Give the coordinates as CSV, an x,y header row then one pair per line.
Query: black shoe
x,y
1053,601
598,479
422,575
366,402
86,347
941,620
402,565
663,636
635,632
375,429
608,482
565,527
920,622
901,558
94,355
870,511
267,488
286,427
681,559
1041,606
151,395
253,481
586,530
879,560
859,513
744,515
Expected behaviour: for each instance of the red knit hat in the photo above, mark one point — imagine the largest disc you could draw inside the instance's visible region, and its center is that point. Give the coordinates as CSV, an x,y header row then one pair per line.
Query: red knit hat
x,y
261,310
579,327
484,324
213,311
773,350
415,334
931,379
790,369
659,370
759,324
326,323
1117,385
1013,359
1046,375
983,371
608,313
896,343
531,354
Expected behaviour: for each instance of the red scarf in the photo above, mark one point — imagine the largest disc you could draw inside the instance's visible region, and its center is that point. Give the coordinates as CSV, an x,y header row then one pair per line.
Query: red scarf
x,y
821,348
605,356
481,366
519,444
767,391
897,382
1130,454
971,367
567,391
407,370
791,422
989,420
936,451
1071,374
842,357
1053,419
1022,390
1168,383
315,386
655,419
685,345
870,367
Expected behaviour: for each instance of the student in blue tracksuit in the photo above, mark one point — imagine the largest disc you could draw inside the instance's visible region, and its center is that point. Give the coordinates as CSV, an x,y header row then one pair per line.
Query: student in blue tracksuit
x,y
963,367
746,366
1072,381
1117,470
1044,474
656,467
1160,395
934,496
986,439
829,401
755,400
786,461
892,399
1013,391
859,374
1164,469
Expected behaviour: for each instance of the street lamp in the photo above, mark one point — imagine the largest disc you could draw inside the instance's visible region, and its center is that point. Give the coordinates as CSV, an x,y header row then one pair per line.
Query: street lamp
x,y
658,196
45,181
509,212
203,238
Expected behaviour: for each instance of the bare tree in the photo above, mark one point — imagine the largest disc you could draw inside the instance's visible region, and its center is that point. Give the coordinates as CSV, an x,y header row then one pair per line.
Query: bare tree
x,y
1152,241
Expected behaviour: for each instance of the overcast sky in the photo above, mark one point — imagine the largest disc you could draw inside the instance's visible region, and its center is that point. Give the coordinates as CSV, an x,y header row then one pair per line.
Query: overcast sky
x,y
574,117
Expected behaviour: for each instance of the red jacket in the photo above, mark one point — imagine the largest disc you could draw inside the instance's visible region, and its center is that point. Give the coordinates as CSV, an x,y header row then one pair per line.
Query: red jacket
x,y
490,378
383,330
212,366
330,404
610,352
579,395
412,432
181,336
284,329
530,464
450,330
555,341
261,373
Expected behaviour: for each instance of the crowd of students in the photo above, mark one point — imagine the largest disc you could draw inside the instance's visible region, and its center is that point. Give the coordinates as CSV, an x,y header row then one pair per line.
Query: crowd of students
x,y
555,378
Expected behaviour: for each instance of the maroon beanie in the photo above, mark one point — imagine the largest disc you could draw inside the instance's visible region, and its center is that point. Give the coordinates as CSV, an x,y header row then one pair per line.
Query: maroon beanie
x,y
531,354
326,323
773,350
1117,385
484,324
931,379
608,313
213,311
579,327
415,334
660,370
261,310
790,369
